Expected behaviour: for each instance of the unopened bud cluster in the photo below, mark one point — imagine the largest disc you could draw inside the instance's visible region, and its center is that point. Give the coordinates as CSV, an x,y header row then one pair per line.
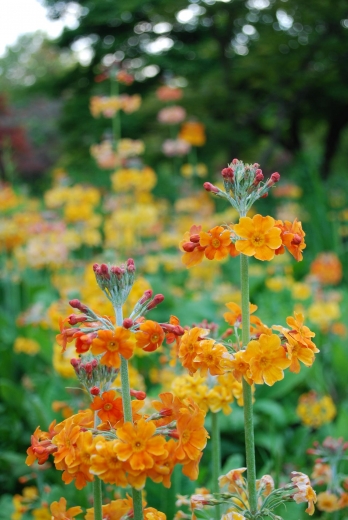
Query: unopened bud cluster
x,y
244,184
94,376
115,281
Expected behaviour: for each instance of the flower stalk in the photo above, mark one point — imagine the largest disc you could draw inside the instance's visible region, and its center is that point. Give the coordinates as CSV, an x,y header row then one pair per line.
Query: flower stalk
x,y
247,391
216,457
97,498
127,412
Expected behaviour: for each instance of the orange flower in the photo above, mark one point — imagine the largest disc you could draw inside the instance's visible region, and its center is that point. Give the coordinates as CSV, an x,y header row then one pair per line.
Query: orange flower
x,y
298,352
41,445
292,236
193,133
299,331
327,268
193,251
110,407
209,357
65,440
164,466
261,237
113,343
234,480
169,405
240,367
267,359
188,347
138,445
150,336
59,511
105,463
217,242
116,510
234,317
150,513
192,436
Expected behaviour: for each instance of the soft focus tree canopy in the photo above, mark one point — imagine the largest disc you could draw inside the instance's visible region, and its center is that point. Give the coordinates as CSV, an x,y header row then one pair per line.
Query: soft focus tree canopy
x,y
267,77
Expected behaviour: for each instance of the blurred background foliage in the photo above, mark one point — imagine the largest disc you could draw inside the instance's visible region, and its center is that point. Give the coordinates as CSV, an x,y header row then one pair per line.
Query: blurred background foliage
x,y
268,78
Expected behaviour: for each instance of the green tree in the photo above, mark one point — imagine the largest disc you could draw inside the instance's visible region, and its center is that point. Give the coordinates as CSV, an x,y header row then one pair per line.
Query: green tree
x,y
262,74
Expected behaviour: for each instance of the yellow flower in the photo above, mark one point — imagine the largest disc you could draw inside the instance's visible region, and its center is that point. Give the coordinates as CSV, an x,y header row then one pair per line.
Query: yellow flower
x,y
26,345
261,237
267,359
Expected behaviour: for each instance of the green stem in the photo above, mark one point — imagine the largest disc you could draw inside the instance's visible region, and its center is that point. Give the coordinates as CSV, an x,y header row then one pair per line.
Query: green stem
x,y
216,455
97,495
97,487
247,392
127,412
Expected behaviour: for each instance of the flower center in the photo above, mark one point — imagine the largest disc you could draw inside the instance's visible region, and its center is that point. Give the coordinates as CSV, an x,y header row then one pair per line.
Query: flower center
x,y
113,345
263,361
258,240
154,338
107,406
215,243
185,436
138,446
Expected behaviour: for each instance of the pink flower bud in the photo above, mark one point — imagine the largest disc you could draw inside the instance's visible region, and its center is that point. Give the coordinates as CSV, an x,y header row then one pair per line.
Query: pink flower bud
x,y
146,296
275,177
264,196
194,238
228,174
296,240
138,394
235,161
210,187
127,323
189,247
76,318
76,304
174,434
156,301
104,271
96,268
95,390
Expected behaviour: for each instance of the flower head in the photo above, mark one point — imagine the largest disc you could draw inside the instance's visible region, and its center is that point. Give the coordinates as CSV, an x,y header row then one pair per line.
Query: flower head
x,y
267,359
112,344
260,237
59,511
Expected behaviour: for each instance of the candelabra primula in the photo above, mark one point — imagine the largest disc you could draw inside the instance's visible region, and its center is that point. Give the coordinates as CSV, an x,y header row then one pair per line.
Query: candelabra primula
x,y
259,354
113,440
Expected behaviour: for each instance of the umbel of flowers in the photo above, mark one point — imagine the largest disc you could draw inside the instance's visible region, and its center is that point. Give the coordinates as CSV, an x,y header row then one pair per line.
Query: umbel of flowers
x,y
256,354
114,440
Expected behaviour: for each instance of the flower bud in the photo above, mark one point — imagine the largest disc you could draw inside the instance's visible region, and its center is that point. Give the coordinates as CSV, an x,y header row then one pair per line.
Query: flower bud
x,y
258,177
210,187
146,296
73,319
95,390
138,394
296,240
127,323
189,247
156,301
228,174
76,304
195,238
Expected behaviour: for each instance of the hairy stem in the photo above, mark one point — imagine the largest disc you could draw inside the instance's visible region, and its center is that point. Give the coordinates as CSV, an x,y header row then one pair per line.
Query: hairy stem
x,y
127,412
216,455
247,392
